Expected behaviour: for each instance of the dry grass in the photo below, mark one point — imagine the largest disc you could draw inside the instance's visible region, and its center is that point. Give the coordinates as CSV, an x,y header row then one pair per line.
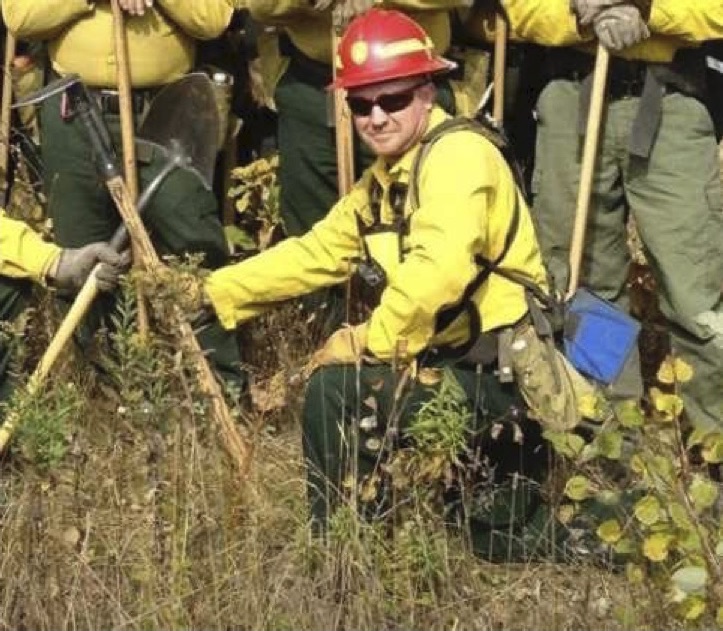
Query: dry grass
x,y
143,524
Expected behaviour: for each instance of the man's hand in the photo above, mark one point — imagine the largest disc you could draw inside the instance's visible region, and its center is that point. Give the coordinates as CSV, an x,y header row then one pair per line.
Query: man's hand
x,y
620,27
587,10
75,265
345,346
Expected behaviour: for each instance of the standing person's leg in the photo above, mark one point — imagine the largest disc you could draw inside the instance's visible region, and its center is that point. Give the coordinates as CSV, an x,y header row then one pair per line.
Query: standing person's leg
x,y
78,202
555,185
676,198
13,299
183,219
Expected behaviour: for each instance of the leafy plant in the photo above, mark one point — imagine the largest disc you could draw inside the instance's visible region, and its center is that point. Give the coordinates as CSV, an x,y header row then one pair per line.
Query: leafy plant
x,y
664,516
256,196
44,422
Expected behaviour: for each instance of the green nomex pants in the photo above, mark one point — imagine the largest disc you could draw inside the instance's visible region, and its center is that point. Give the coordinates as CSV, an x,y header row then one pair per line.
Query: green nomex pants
x,y
14,296
508,521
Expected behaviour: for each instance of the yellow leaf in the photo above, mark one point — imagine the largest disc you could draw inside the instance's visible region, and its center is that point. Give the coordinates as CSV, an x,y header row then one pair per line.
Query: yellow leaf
x,y
669,405
656,546
692,608
587,406
712,451
719,617
609,531
578,488
647,510
674,370
666,373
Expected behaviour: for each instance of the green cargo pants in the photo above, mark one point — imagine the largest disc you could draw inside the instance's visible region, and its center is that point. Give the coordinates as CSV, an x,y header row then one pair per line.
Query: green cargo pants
x,y
14,296
182,217
675,198
507,518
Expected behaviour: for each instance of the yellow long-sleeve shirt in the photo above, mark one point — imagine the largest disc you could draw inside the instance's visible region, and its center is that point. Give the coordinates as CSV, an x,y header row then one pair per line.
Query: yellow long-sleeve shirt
x,y
674,24
466,201
161,43
310,30
23,253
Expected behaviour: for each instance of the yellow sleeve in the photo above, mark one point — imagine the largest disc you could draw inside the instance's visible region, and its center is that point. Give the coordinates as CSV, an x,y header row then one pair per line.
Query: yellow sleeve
x,y
279,11
23,253
457,183
422,5
692,21
322,257
40,19
201,20
545,22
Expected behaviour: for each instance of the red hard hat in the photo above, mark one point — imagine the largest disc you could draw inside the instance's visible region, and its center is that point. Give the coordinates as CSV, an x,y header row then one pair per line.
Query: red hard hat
x,y
382,45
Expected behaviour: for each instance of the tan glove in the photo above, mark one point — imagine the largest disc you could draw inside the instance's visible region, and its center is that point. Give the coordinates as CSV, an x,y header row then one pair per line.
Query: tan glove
x,y
345,346
620,27
587,10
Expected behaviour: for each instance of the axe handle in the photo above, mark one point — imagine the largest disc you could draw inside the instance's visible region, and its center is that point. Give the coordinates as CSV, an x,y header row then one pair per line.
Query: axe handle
x,y
5,113
343,131
498,108
125,99
128,135
587,168
238,448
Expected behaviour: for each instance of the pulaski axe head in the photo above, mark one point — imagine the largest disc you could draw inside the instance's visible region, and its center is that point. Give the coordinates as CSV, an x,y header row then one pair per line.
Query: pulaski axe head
x,y
184,114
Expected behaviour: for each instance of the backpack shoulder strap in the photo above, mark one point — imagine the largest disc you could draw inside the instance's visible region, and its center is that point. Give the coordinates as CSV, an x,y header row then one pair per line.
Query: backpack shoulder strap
x,y
479,126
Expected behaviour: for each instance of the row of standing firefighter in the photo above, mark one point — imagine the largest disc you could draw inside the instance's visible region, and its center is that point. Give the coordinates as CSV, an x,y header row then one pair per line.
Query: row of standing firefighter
x,y
436,224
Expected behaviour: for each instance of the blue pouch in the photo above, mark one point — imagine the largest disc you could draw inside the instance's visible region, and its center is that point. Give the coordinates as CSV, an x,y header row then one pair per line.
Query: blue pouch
x,y
598,336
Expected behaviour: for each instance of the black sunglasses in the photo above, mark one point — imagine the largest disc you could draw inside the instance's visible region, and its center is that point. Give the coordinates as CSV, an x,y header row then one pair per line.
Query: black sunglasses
x,y
390,103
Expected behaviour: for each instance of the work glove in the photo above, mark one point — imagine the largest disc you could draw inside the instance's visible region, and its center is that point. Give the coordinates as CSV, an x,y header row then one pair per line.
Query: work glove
x,y
587,10
620,27
75,265
345,346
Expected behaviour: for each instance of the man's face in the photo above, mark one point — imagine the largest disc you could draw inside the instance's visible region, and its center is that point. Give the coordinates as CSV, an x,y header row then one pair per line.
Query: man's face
x,y
391,117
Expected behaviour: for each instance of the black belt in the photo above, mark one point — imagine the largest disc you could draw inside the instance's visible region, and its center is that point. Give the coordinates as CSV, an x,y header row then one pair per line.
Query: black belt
x,y
109,100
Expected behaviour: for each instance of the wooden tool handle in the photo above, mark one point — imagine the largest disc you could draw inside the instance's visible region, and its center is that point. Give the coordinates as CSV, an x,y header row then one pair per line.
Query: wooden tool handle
x,y
587,168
